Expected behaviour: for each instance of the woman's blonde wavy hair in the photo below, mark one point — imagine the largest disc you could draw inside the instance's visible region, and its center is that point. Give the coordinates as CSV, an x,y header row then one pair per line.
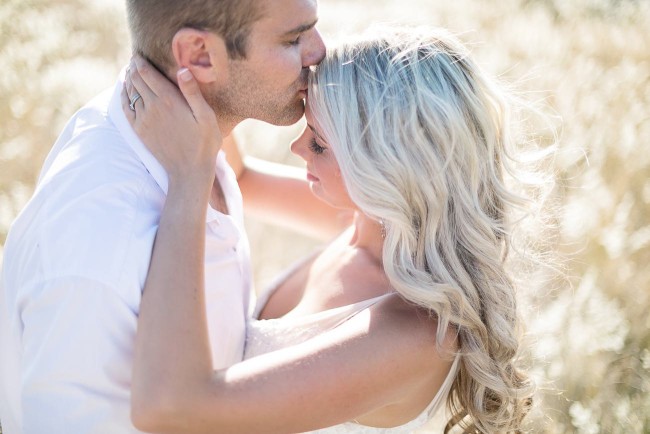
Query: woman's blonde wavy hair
x,y
423,141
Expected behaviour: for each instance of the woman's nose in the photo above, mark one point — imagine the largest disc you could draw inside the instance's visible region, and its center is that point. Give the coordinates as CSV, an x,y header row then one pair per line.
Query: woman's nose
x,y
299,147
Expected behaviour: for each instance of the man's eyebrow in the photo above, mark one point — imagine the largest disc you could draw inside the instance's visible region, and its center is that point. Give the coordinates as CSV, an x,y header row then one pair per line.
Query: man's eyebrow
x,y
301,28
313,130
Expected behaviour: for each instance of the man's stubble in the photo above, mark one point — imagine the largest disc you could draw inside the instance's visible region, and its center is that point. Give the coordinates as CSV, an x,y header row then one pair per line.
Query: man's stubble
x,y
247,97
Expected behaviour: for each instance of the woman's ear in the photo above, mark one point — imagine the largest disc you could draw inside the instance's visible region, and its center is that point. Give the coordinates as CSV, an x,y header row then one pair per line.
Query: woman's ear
x,y
203,53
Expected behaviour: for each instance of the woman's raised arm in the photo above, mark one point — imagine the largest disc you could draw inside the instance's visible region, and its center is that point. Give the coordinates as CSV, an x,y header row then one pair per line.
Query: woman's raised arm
x,y
373,360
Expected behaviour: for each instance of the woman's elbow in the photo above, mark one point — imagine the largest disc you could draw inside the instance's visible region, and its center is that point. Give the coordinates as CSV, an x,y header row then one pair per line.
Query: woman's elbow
x,y
153,414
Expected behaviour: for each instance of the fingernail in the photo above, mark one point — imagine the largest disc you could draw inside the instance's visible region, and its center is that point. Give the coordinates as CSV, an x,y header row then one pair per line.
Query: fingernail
x,y
184,74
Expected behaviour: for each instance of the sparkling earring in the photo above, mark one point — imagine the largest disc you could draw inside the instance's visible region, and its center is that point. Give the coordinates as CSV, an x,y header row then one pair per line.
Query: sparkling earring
x,y
383,228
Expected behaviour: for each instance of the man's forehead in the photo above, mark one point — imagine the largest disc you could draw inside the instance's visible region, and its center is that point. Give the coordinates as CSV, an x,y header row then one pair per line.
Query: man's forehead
x,y
286,17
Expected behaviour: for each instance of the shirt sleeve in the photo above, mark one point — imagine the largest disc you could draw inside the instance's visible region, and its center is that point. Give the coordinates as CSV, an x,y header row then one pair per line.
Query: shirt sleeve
x,y
77,345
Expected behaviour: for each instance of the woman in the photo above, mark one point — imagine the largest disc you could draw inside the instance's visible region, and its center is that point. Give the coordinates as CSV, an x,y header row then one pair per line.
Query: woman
x,y
407,310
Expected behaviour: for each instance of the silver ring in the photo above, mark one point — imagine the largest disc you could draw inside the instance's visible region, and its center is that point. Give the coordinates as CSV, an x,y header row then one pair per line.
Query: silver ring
x,y
135,99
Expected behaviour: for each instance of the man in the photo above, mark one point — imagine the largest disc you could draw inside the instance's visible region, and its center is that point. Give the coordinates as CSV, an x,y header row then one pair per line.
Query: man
x,y
77,256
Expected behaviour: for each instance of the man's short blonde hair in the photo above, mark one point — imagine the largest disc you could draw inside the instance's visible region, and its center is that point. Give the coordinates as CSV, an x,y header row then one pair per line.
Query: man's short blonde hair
x,y
153,24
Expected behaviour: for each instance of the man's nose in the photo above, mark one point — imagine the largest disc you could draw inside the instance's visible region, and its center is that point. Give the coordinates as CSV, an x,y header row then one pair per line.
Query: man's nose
x,y
316,49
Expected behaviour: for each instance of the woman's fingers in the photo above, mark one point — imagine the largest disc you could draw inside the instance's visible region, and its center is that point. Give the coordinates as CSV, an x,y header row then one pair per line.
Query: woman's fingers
x,y
126,105
139,87
128,84
156,82
192,93
201,110
177,126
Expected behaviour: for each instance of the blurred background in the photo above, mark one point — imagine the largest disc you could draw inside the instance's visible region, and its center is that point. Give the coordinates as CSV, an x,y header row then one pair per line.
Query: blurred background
x,y
587,61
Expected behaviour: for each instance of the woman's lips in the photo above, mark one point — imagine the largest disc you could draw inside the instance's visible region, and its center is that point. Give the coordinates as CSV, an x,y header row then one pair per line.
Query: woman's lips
x,y
311,177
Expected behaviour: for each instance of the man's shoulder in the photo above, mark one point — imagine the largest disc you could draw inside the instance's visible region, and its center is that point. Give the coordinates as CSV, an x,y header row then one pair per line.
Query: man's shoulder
x,y
94,211
85,227
92,114
96,198
91,152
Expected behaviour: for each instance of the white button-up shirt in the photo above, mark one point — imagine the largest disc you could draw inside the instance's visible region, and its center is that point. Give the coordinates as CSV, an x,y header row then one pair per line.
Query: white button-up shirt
x,y
75,263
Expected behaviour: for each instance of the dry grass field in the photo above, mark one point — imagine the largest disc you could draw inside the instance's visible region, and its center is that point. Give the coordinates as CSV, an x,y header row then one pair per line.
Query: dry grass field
x,y
587,61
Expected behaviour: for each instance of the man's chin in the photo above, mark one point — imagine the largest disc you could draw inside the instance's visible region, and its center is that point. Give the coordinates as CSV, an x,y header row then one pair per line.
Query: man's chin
x,y
286,117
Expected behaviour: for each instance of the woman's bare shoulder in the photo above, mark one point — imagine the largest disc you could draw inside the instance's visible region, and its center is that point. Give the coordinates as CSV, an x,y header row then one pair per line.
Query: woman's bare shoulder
x,y
402,356
415,326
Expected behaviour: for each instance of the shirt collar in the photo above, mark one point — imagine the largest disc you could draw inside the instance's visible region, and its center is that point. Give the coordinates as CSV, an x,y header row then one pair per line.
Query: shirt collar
x,y
152,165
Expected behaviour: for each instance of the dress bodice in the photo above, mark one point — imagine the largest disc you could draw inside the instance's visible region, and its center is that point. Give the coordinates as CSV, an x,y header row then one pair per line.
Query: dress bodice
x,y
268,335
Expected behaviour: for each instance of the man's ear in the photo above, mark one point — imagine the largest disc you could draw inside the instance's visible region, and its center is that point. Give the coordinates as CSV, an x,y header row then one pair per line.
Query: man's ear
x,y
203,53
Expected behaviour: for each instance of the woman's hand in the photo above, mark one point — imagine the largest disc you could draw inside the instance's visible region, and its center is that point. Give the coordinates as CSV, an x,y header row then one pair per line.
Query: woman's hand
x,y
179,127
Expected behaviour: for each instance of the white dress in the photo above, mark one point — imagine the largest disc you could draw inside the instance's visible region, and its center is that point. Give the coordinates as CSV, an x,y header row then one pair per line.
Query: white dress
x,y
263,336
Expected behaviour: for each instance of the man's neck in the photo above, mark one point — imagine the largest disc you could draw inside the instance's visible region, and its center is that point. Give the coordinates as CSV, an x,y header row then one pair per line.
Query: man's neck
x,y
226,125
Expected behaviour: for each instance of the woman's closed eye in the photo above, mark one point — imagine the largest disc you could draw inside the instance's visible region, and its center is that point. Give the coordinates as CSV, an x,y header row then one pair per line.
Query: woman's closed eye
x,y
315,147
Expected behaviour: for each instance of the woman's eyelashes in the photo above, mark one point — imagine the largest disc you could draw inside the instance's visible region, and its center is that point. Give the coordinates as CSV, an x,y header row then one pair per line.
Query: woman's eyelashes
x,y
315,147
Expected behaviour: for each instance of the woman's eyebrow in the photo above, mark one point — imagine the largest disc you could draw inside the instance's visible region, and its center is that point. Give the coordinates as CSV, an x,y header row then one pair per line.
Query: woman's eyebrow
x,y
313,130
